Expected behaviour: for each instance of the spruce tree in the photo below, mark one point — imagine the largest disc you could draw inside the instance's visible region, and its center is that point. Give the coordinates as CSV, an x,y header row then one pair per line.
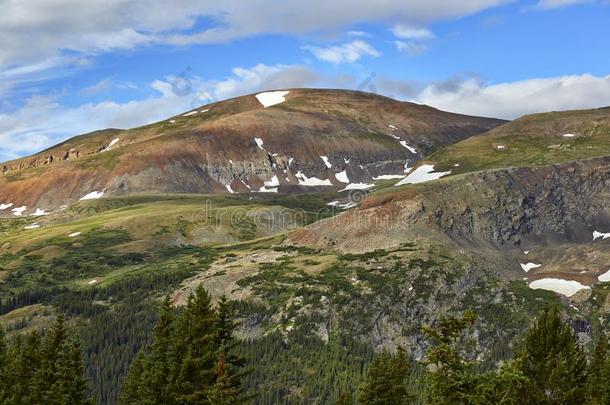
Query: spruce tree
x,y
196,337
553,360
598,381
386,380
451,378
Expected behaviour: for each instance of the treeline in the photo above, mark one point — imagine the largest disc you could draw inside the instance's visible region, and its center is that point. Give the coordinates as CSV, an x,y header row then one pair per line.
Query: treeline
x,y
194,358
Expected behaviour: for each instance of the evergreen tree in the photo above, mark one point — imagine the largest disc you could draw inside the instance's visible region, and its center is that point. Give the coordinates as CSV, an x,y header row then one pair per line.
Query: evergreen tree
x,y
191,358
553,360
451,378
507,386
224,391
386,380
598,381
196,338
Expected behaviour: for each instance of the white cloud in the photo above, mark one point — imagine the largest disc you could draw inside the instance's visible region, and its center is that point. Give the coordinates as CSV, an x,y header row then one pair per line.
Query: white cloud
x,y
550,4
406,32
412,48
43,121
514,99
34,30
345,53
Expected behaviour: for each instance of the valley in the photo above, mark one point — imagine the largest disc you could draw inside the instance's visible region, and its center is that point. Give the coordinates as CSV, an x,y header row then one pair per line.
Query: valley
x,y
300,214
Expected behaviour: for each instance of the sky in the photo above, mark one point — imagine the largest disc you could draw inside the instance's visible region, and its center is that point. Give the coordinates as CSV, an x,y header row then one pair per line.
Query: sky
x,y
70,66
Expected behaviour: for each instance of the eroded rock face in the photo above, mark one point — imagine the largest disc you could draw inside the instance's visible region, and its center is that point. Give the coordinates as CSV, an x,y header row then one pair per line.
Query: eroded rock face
x,y
511,206
239,145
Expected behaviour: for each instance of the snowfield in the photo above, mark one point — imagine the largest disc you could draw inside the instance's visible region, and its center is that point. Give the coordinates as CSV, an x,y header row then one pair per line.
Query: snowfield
x,y
422,174
311,181
94,195
326,162
564,287
604,278
411,149
342,177
357,186
528,266
270,98
259,143
18,211
111,144
389,177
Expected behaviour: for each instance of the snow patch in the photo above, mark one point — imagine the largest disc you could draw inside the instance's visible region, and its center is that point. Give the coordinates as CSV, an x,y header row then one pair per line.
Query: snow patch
x,y
5,206
604,278
92,282
342,177
18,211
528,266
311,181
389,177
411,149
270,98
345,206
94,195
326,162
564,287
597,235
229,189
73,234
190,113
33,226
259,143
357,186
569,135
391,126
422,174
39,213
110,145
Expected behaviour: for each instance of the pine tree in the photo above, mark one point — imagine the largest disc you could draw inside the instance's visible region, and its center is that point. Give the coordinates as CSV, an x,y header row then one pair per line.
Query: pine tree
x,y
451,378
225,391
386,380
69,385
553,360
598,381
132,384
195,344
158,376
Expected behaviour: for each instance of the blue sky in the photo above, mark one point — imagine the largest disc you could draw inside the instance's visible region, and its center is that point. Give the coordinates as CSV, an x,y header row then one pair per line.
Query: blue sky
x,y
68,67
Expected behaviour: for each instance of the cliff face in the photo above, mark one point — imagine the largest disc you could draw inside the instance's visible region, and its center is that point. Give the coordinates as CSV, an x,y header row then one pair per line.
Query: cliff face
x,y
498,215
314,137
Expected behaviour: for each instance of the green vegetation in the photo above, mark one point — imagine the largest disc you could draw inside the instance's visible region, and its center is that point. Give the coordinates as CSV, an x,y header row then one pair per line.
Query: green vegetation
x,y
49,370
190,359
530,141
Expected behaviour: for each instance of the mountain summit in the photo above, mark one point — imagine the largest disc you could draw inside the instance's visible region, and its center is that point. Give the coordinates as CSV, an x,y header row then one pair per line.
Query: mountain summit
x,y
282,141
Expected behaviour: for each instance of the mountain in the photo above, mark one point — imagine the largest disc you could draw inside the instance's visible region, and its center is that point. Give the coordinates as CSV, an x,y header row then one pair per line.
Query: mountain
x,y
286,140
502,219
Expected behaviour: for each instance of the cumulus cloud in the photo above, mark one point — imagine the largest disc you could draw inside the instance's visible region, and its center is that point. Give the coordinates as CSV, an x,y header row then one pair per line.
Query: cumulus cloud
x,y
344,53
511,100
406,32
43,121
412,48
35,30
